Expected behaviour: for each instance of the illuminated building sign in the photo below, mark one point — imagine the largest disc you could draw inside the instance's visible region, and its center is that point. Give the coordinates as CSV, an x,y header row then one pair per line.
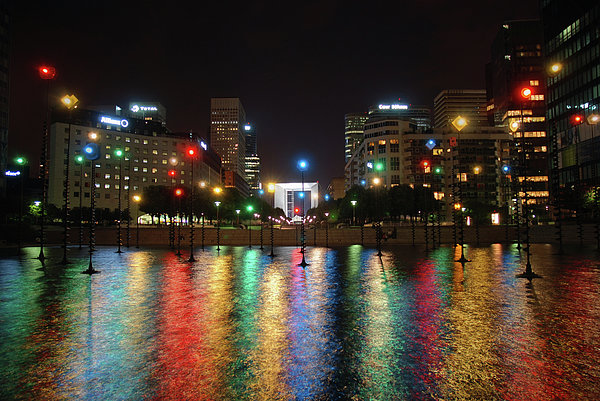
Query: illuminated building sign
x,y
137,108
247,127
203,145
393,107
12,173
114,121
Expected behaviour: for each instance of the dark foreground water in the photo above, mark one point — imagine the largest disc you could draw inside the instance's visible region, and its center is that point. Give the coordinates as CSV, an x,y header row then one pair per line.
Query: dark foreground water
x,y
349,326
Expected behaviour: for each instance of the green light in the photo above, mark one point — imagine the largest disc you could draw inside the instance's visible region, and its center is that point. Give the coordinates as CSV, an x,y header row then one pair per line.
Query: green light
x,y
118,153
437,170
249,208
379,166
79,159
20,160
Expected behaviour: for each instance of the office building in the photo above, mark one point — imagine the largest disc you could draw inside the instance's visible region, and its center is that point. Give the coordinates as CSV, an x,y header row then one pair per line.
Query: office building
x,y
420,116
353,132
517,64
227,134
468,103
150,151
252,160
572,51
150,111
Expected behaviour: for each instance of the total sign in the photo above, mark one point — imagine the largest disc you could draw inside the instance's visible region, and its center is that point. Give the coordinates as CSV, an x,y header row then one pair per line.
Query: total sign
x,y
136,108
114,121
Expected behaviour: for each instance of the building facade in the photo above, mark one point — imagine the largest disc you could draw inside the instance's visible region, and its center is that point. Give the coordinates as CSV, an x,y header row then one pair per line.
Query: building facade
x,y
295,202
149,152
516,65
354,124
468,103
227,135
252,159
572,51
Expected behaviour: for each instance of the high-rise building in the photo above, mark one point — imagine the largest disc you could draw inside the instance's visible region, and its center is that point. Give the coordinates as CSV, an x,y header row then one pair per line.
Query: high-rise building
x,y
4,94
252,160
227,135
572,51
517,63
419,116
468,103
353,132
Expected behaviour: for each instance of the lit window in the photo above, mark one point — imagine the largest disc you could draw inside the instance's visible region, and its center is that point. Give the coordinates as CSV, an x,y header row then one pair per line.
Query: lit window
x,y
534,82
107,176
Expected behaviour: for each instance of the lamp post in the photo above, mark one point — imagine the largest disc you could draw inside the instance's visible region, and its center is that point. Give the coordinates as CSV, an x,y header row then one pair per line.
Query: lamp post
x,y
327,229
119,154
70,102
507,197
353,202
92,153
476,171
302,166
178,194
217,204
459,124
172,174
249,209
271,224
191,152
47,73
80,160
137,199
237,212
128,199
376,183
21,162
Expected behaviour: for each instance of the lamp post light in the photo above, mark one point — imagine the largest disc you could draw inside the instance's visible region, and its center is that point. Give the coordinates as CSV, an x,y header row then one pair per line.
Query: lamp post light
x,y
353,212
70,102
191,152
237,212
21,162
119,154
378,233
79,159
137,199
178,194
172,174
217,204
46,73
92,153
249,209
302,166
459,124
507,197
327,229
476,171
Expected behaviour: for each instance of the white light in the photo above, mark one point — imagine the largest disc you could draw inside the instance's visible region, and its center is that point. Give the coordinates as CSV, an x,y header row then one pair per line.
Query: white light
x,y
113,121
12,173
203,145
247,127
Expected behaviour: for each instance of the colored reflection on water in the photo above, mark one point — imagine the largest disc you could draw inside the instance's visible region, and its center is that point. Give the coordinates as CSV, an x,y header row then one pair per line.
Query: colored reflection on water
x,y
238,324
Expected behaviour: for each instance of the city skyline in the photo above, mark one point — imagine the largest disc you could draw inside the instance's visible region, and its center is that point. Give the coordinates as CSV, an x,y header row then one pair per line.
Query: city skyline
x,y
297,76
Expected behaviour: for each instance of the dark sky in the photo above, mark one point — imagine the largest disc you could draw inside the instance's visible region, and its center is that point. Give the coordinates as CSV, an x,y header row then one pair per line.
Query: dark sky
x,y
297,70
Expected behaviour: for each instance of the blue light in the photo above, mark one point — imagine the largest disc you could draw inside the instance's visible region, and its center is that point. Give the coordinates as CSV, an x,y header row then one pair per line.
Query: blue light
x,y
363,182
430,144
301,195
505,169
88,149
261,191
326,197
302,165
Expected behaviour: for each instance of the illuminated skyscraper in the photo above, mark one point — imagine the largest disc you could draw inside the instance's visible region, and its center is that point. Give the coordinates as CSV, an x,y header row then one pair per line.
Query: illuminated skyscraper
x,y
468,103
252,161
353,132
227,135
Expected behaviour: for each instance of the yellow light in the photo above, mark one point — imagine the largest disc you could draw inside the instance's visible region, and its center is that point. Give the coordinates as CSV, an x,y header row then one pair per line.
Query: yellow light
x,y
555,68
459,123
70,101
593,119
477,170
93,136
137,198
376,181
514,126
271,187
217,190
457,206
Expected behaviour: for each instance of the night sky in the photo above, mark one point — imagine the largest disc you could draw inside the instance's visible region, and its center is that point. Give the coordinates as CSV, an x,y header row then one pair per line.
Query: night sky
x,y
297,70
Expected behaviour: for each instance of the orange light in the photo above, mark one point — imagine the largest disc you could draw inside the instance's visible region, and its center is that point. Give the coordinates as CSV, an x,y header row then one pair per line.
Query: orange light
x,y
526,93
47,72
178,192
457,206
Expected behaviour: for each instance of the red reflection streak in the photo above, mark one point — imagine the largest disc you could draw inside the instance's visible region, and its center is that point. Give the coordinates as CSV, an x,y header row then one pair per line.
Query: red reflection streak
x,y
185,368
428,322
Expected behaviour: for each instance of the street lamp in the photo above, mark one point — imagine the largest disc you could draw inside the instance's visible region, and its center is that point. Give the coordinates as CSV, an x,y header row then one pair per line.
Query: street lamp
x,y
172,174
92,153
79,159
327,229
46,73
217,204
237,211
353,211
178,194
119,155
137,199
249,209
191,153
70,102
21,162
459,123
302,166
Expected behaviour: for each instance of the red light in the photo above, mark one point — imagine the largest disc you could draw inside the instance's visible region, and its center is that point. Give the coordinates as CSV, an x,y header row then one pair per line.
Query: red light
x,y
191,152
179,192
47,72
172,173
577,119
526,93
425,163
297,210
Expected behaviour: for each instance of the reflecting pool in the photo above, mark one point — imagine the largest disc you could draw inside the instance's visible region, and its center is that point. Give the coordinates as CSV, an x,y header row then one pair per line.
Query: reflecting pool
x,y
240,325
